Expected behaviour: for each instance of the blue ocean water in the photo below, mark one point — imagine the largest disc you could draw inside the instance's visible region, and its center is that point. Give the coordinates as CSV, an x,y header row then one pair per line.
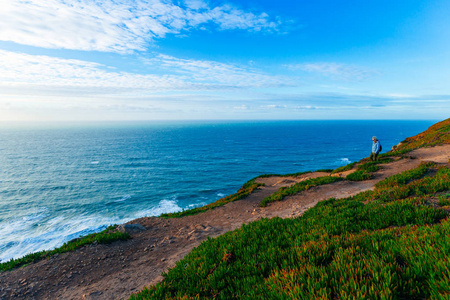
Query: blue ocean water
x,y
60,182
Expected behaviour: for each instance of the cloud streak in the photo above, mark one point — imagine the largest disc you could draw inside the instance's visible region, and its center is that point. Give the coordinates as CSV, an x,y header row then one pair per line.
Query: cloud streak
x,y
335,70
117,26
24,73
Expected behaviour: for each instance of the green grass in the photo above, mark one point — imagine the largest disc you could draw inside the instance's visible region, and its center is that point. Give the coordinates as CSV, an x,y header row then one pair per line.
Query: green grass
x,y
243,192
376,245
298,187
106,236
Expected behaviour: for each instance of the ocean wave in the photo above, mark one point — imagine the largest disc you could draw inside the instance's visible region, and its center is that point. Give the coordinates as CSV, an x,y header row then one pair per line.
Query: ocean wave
x,y
344,160
124,198
164,206
51,233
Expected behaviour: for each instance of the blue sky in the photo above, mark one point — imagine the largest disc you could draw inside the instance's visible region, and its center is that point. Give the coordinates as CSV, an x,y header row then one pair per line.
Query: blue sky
x,y
78,60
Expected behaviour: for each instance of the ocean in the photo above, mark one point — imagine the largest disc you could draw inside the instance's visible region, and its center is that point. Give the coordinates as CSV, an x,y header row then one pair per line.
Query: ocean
x,y
58,182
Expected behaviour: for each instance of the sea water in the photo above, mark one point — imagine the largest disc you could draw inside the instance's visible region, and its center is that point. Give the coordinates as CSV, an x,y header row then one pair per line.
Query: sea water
x,y
59,182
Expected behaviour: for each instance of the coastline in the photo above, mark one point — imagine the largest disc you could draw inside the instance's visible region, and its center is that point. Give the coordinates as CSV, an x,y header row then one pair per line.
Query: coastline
x,y
119,269
116,270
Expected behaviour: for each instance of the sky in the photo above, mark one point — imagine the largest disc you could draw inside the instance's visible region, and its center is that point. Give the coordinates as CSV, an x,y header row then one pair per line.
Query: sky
x,y
132,60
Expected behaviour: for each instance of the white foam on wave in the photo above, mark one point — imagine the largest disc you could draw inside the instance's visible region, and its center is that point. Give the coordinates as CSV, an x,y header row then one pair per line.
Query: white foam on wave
x,y
95,162
164,206
344,160
124,198
220,195
51,233
36,215
194,205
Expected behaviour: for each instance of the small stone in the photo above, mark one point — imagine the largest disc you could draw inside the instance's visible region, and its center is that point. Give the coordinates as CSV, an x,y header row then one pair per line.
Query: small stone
x,y
163,259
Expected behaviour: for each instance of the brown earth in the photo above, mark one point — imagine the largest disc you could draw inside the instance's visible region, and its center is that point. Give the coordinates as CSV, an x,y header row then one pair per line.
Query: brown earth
x,y
117,270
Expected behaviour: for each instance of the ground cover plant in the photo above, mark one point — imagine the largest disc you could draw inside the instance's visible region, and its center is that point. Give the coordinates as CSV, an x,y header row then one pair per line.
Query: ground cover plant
x,y
407,176
379,244
359,176
364,170
284,175
298,187
243,192
344,168
106,236
437,134
444,200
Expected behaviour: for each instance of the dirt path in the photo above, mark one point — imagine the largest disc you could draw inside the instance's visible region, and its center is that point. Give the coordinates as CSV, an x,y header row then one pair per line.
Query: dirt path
x,y
117,270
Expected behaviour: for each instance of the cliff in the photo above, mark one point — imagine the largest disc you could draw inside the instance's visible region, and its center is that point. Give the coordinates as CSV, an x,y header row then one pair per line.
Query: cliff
x,y
383,234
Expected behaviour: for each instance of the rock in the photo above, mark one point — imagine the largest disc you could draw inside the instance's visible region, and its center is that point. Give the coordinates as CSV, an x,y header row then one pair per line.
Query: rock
x,y
131,228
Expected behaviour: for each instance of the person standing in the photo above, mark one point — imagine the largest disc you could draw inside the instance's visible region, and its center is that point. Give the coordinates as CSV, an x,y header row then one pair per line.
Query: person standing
x,y
376,148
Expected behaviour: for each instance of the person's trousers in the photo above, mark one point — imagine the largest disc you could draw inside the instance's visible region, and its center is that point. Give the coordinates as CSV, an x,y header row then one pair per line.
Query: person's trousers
x,y
373,156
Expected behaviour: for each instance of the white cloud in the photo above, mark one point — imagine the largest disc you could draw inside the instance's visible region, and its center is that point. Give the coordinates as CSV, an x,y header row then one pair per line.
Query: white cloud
x,y
115,26
212,72
335,70
24,70
24,73
274,106
241,107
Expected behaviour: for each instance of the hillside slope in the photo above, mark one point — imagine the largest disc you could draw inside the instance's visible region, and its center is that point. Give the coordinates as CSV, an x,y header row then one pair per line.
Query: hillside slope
x,y
265,258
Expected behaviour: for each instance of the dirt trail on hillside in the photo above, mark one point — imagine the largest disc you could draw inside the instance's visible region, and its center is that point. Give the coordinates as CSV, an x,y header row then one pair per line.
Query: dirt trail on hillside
x,y
117,270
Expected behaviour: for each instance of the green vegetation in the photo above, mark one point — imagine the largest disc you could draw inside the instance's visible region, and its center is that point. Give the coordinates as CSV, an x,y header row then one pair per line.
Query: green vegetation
x,y
106,236
444,200
325,170
358,176
298,187
390,243
283,175
437,134
363,170
243,192
344,168
406,176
